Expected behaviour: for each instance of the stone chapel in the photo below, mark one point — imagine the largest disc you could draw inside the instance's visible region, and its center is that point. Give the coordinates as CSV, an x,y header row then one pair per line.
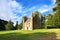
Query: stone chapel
x,y
34,22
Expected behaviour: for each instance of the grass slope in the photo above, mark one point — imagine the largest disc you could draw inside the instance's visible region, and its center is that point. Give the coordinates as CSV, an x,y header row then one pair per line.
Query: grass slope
x,y
41,34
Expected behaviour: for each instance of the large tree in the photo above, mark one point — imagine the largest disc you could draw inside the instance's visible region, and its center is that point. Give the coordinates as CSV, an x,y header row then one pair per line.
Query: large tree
x,y
56,16
53,20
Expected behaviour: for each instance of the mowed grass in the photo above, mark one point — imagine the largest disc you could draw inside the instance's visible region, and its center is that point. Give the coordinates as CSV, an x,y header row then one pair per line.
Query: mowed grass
x,y
38,34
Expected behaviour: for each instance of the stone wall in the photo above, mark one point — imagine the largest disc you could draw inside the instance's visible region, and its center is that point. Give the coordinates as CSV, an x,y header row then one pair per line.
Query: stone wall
x,y
37,22
34,22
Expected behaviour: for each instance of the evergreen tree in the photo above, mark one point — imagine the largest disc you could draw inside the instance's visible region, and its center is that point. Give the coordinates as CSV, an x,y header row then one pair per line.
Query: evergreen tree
x,y
16,26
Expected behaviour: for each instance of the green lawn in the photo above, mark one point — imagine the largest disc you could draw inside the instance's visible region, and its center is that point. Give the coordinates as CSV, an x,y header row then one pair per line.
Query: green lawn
x,y
39,34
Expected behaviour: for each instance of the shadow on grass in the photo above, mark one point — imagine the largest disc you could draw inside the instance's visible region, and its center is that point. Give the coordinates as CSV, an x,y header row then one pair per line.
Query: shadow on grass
x,y
31,36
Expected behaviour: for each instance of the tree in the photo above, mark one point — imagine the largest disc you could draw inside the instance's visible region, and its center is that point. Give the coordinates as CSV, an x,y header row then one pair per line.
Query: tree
x,y
56,16
2,24
43,21
53,20
36,13
9,25
25,18
16,26
20,26
49,21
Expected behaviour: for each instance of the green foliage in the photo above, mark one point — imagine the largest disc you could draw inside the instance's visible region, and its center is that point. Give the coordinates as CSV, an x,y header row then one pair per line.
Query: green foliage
x,y
24,17
53,20
57,1
16,26
9,25
2,24
20,26
36,13
56,19
43,21
49,21
56,16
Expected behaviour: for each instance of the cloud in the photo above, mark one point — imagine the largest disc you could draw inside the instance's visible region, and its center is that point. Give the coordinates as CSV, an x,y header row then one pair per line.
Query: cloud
x,y
53,1
7,8
44,9
12,10
30,9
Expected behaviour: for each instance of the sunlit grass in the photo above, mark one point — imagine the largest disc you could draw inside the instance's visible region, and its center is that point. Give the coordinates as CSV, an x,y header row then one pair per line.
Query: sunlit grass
x,y
38,34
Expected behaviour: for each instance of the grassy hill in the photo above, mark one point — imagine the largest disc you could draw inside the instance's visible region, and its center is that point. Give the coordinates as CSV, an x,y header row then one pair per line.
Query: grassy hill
x,y
39,34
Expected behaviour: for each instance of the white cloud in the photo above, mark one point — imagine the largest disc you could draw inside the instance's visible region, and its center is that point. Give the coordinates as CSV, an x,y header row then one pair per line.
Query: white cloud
x,y
53,1
10,8
44,9
29,9
6,10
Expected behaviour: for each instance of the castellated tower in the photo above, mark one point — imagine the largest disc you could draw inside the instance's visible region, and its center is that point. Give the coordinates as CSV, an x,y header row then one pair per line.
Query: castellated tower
x,y
34,22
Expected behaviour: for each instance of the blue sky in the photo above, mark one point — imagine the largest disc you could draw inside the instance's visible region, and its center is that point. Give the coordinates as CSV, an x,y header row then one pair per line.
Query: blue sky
x,y
15,9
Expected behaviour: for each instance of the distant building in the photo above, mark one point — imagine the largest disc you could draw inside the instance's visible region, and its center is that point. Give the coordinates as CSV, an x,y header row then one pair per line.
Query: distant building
x,y
34,22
